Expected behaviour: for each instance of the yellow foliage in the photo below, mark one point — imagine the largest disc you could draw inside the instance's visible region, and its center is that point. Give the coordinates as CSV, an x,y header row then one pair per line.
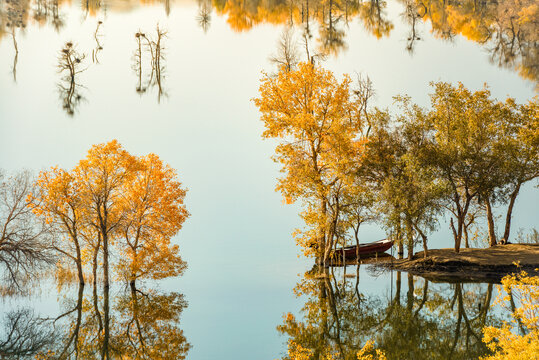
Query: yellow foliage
x,y
297,352
504,342
368,352
319,122
112,198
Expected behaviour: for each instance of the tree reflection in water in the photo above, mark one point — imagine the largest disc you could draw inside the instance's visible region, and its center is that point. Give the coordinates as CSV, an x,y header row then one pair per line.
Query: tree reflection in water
x,y
204,14
144,323
14,16
98,46
70,63
508,30
429,321
23,335
150,50
48,11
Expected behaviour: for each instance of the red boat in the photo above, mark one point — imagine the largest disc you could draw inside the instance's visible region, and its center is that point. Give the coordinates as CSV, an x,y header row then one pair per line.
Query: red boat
x,y
365,249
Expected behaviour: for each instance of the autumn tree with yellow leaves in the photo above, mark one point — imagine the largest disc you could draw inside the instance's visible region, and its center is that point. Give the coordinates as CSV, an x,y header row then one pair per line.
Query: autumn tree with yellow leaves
x,y
154,214
114,201
504,341
319,122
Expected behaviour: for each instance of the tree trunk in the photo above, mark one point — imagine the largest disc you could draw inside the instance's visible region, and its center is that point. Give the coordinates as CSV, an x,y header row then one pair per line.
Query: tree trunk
x,y
490,219
94,260
106,319
461,217
136,317
425,248
106,260
322,235
409,240
399,241
457,233
106,307
79,262
509,212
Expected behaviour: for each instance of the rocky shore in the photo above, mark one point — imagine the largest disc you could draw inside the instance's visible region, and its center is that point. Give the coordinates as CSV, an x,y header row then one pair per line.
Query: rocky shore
x,y
472,265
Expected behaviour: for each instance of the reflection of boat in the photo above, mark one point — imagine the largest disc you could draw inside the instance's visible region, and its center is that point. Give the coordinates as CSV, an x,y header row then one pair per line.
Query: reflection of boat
x,y
364,249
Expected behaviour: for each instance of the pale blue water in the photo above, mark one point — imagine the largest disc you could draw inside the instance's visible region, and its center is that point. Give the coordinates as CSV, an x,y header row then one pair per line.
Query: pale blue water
x,y
243,262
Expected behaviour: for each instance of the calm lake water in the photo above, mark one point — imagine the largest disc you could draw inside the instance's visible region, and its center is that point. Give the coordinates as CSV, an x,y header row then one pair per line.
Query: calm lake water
x,y
195,113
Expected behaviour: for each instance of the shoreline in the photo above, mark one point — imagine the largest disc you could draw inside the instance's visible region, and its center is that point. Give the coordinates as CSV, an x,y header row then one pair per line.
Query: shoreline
x,y
471,265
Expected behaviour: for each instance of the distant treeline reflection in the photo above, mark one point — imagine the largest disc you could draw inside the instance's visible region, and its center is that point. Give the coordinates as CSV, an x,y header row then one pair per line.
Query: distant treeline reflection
x,y
508,30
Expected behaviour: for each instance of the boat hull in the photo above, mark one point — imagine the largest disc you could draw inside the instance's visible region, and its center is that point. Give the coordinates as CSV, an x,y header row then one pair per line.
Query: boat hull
x,y
364,249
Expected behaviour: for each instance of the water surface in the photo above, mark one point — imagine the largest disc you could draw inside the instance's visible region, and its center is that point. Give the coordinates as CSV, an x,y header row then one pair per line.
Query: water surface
x,y
198,117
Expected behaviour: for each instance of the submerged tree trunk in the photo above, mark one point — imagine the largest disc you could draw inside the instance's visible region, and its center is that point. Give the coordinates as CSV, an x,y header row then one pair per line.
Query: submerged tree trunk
x,y
106,307
105,354
79,266
74,338
78,254
509,212
94,259
135,308
322,300
96,308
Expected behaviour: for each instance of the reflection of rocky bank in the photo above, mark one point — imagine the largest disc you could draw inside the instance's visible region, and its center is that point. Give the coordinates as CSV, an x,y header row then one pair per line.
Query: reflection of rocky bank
x,y
482,265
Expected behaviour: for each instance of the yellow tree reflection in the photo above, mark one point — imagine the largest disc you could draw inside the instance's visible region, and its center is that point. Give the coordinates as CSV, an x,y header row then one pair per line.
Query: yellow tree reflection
x,y
148,325
429,321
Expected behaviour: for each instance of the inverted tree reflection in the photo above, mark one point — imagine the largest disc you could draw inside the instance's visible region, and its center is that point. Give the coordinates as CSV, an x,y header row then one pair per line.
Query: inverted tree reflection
x,y
204,14
507,30
98,46
150,49
70,65
428,321
15,16
143,323
23,334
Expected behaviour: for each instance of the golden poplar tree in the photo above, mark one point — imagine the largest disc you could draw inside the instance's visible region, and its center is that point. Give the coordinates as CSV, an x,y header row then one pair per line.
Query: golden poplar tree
x,y
318,122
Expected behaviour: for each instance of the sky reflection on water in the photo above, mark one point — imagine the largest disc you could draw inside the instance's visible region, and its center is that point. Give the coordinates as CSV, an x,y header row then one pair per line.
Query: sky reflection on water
x,y
241,257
